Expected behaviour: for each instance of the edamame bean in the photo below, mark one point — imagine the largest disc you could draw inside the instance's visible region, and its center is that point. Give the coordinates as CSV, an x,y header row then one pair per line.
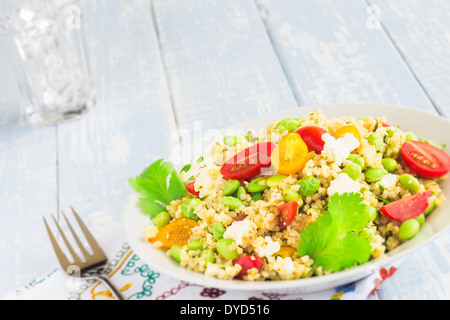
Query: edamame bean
x,y
409,182
195,244
308,186
372,213
289,124
218,231
223,247
389,164
230,141
275,180
290,195
431,206
408,229
375,141
231,187
175,252
420,219
410,136
232,203
392,130
352,170
357,159
241,193
209,256
257,185
374,174
187,209
162,219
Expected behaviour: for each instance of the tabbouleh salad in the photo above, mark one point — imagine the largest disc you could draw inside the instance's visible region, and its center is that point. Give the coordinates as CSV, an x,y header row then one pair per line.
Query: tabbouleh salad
x,y
303,197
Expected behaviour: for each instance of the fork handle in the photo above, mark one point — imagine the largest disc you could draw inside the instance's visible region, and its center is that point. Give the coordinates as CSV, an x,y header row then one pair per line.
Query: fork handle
x,y
108,283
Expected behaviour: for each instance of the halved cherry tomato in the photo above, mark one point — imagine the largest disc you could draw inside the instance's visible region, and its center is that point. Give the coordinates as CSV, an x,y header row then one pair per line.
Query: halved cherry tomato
x,y
247,263
177,232
407,208
349,129
290,155
425,160
249,162
190,188
288,211
241,217
312,136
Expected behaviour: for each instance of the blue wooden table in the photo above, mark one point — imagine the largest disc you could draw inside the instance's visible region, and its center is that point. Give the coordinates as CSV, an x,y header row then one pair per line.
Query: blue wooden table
x,y
161,65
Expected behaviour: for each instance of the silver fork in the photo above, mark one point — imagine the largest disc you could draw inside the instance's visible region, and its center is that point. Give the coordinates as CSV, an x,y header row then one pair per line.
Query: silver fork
x,y
94,266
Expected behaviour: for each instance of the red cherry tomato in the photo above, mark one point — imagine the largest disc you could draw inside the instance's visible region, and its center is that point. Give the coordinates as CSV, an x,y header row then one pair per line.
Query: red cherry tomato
x,y
288,211
312,136
249,162
247,263
425,160
407,208
241,217
190,188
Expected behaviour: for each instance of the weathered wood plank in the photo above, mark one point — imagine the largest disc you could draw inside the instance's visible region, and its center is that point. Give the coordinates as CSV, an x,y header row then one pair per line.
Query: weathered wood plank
x,y
27,186
330,55
220,63
421,32
132,122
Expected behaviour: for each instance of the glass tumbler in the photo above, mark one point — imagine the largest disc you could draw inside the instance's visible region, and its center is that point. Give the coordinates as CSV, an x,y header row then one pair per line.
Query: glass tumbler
x,y
46,46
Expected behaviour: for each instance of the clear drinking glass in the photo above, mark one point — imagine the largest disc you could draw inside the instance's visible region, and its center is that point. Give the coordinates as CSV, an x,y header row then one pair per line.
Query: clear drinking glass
x,y
47,49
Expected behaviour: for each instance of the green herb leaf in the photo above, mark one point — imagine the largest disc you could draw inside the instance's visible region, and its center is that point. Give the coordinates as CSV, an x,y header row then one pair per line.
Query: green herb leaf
x,y
158,185
333,240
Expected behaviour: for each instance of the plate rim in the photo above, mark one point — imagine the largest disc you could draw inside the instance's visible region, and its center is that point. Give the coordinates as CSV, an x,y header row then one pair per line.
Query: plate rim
x,y
310,284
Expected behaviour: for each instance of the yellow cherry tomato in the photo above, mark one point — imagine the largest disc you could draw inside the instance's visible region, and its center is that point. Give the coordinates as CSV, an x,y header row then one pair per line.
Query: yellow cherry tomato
x,y
290,155
349,129
177,232
285,252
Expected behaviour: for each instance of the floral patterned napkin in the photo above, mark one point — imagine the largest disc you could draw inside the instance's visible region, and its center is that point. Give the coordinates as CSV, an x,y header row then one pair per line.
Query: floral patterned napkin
x,y
138,281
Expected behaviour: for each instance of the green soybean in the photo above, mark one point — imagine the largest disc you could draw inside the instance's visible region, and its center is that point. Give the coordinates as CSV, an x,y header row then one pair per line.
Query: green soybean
x,y
209,256
275,180
230,141
374,174
231,187
162,219
375,141
257,185
420,219
232,203
357,159
289,124
308,186
392,130
372,213
408,229
175,252
187,209
409,182
223,247
431,206
195,244
352,170
290,195
241,193
389,164
218,230
410,136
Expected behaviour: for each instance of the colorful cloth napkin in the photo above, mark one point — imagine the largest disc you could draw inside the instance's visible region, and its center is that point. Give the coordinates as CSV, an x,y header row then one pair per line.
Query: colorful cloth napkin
x,y
138,281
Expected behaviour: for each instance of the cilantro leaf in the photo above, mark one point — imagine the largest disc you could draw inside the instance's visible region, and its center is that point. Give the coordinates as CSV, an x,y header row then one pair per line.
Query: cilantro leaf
x,y
333,241
158,186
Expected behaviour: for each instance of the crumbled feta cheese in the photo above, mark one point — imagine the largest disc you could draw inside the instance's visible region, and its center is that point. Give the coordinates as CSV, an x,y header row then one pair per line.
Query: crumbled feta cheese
x,y
240,230
342,184
268,247
284,266
342,147
389,180
207,177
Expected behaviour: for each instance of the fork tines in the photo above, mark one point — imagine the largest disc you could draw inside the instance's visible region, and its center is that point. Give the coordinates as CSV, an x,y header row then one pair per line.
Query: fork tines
x,y
98,255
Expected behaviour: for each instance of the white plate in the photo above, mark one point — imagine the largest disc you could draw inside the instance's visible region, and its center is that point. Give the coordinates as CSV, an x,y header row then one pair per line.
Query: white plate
x,y
424,125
